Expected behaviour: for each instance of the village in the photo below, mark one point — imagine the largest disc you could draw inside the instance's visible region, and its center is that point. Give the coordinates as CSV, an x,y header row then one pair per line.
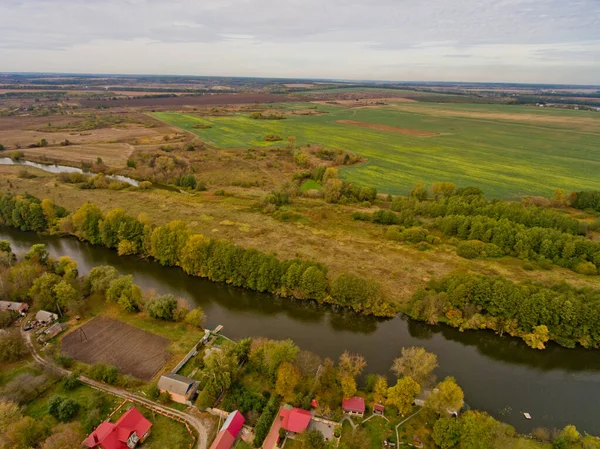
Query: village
x,y
243,397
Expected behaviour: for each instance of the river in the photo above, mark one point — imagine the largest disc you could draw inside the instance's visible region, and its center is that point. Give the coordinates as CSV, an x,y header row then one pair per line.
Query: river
x,y
500,375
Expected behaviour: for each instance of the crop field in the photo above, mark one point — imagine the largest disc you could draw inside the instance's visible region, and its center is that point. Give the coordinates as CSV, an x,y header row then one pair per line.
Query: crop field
x,y
132,350
508,151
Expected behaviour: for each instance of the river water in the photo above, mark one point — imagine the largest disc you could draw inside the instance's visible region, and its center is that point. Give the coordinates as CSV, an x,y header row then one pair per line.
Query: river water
x,y
53,168
500,375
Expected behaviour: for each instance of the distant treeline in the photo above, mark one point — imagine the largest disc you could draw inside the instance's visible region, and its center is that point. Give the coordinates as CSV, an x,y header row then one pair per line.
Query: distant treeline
x,y
217,260
536,313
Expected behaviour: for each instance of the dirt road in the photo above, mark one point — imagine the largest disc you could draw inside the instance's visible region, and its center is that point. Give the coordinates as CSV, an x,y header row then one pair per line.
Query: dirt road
x,y
197,423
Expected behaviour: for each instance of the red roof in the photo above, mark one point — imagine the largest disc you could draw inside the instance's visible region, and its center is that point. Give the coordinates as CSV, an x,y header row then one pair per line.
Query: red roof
x,y
115,436
224,440
379,407
355,404
234,423
295,420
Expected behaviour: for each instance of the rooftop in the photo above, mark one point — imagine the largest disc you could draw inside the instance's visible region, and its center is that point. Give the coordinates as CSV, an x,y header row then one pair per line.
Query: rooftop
x,y
174,383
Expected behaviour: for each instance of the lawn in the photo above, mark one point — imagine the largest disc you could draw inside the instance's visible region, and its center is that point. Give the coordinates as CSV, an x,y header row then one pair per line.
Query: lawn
x,y
508,151
311,184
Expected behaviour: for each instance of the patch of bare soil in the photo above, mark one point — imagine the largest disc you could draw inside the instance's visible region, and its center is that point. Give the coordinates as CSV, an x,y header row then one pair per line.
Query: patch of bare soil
x,y
132,350
406,131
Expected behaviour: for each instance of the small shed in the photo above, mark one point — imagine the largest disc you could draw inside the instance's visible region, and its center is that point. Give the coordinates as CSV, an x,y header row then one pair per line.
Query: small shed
x,y
378,409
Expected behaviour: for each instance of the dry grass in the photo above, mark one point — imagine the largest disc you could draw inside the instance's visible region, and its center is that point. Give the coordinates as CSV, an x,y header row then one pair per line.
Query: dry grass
x,y
113,155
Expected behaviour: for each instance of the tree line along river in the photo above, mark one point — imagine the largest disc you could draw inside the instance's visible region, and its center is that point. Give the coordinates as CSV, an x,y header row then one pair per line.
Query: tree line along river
x,y
500,375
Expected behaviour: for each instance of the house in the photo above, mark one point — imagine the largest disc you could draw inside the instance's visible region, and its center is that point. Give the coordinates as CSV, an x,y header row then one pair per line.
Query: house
x,y
354,406
19,307
45,317
131,428
290,419
182,389
293,419
229,431
378,409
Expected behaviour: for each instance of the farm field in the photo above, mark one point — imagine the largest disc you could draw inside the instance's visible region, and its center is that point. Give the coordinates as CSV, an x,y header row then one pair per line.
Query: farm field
x,y
508,151
102,340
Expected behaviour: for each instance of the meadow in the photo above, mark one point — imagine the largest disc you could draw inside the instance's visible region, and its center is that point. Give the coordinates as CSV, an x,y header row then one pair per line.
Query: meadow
x,y
508,151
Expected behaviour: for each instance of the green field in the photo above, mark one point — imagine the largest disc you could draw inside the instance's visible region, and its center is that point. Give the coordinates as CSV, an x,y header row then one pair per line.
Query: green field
x,y
508,151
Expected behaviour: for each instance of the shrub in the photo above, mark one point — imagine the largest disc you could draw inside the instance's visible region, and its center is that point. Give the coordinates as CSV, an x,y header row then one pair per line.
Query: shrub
x,y
162,307
528,266
413,235
492,250
586,268
104,373
470,249
386,217
273,138
72,381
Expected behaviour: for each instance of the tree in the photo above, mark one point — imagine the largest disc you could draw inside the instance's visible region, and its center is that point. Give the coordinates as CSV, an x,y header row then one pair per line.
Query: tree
x,y
403,394
220,367
312,439
417,363
12,347
351,364
288,377
570,434
313,283
65,436
419,192
67,268
195,317
538,338
348,384
168,241
101,277
86,221
162,307
445,189
380,389
446,433
37,254
125,293
446,398
9,413
65,294
26,433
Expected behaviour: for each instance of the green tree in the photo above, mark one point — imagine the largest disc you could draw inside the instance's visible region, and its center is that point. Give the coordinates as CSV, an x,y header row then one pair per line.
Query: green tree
x,y
162,307
100,277
195,317
446,433
168,241
125,293
419,192
37,254
446,398
403,394
86,221
313,283
12,348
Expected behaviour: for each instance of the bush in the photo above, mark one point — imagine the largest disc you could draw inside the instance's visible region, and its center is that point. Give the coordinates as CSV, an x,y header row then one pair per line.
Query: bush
x,y
493,251
104,373
273,138
586,268
162,307
414,235
72,381
386,217
205,399
264,422
63,409
470,249
63,360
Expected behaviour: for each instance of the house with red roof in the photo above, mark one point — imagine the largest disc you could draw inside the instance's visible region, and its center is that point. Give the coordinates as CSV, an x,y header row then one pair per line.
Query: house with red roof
x,y
354,406
229,431
130,429
291,419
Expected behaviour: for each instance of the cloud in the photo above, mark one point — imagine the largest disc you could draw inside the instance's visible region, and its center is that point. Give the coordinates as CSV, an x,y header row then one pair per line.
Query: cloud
x,y
348,38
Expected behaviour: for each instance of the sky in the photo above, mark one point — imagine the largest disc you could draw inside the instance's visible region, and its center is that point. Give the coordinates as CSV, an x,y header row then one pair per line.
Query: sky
x,y
529,41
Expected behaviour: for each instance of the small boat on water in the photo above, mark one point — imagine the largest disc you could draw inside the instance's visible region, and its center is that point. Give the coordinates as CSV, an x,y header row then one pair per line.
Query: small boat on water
x,y
526,415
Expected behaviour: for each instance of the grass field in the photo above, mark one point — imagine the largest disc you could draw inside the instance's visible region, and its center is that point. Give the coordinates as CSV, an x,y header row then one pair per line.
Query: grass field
x,y
508,151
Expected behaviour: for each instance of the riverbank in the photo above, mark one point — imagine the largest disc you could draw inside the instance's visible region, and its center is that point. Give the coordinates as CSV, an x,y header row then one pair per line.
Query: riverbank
x,y
499,375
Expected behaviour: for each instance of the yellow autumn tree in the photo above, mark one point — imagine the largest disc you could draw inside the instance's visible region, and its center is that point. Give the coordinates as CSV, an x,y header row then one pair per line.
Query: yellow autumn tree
x,y
288,377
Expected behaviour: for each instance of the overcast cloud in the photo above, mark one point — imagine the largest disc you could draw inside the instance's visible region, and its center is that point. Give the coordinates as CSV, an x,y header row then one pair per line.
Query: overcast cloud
x,y
555,41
